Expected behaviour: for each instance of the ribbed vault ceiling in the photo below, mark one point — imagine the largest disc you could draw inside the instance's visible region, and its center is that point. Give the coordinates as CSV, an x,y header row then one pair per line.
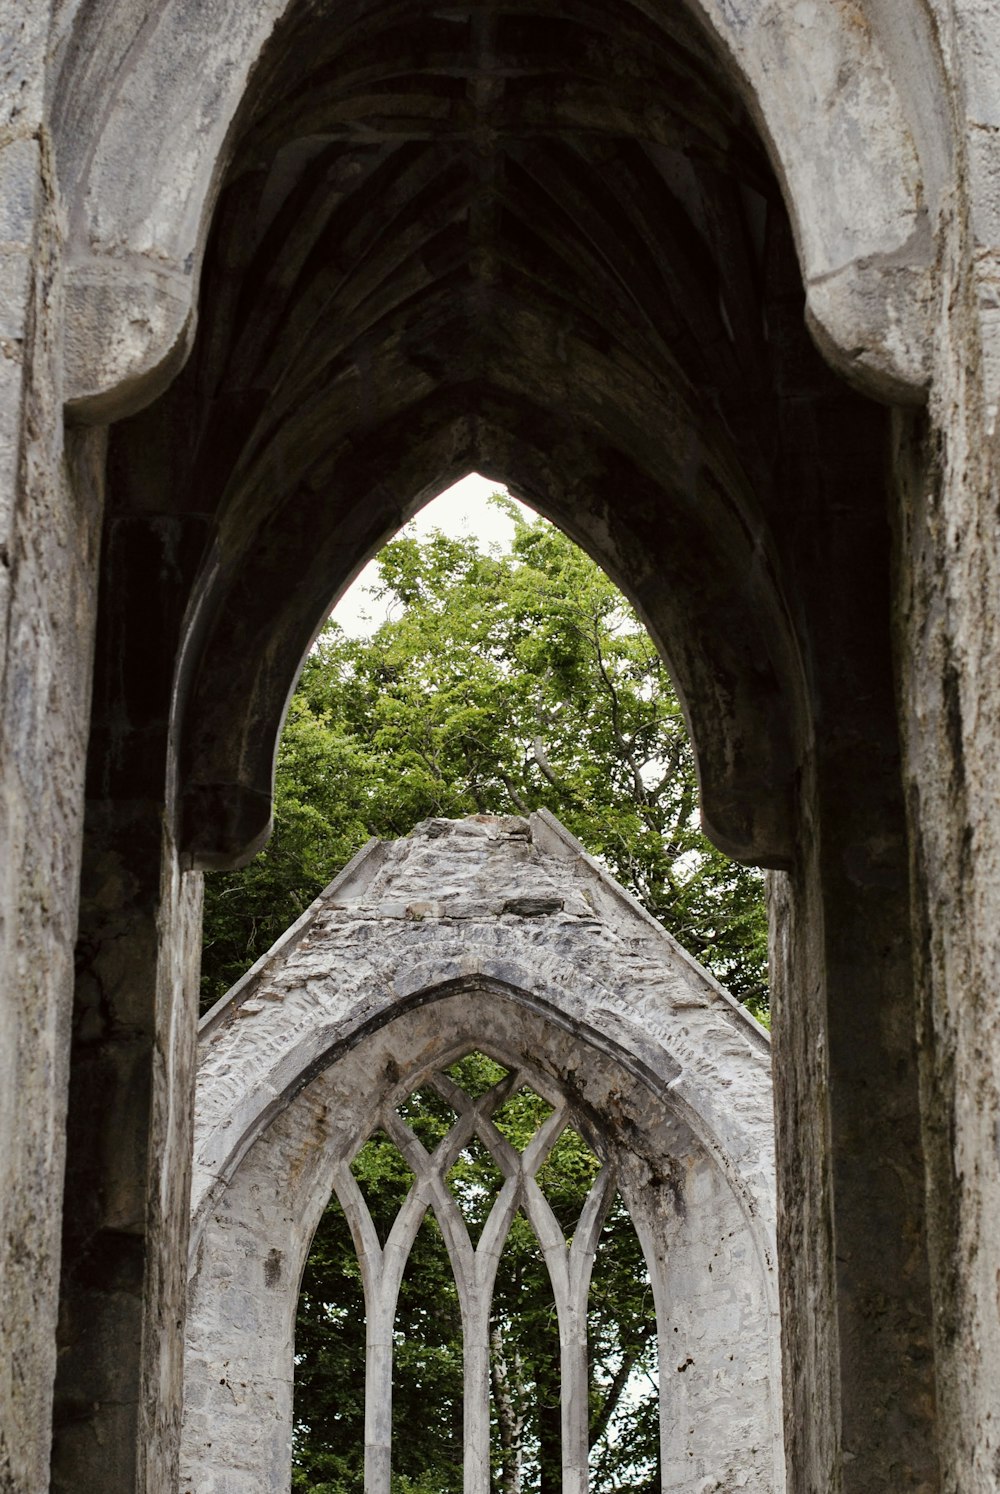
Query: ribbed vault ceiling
x,y
437,188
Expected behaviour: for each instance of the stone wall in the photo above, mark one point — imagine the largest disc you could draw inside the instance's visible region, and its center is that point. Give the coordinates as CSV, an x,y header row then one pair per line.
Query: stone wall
x,y
51,496
824,578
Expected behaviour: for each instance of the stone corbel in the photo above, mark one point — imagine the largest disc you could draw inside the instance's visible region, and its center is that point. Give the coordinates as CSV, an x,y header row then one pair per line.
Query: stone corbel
x,y
130,325
871,321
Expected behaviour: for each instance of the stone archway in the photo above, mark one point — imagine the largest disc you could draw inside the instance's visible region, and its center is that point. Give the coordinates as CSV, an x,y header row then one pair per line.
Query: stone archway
x,y
571,246
498,934
870,538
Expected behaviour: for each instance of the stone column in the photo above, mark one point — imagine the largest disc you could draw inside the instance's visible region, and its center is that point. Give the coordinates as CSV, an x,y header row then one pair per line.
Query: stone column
x,y
118,1390
855,1292
856,1312
949,644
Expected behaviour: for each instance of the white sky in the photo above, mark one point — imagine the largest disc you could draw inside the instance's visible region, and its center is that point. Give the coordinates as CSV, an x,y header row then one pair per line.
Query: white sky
x,y
460,510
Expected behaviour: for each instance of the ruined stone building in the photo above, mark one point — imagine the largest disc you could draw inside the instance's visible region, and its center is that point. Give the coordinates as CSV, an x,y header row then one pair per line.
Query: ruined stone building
x,y
715,285
498,934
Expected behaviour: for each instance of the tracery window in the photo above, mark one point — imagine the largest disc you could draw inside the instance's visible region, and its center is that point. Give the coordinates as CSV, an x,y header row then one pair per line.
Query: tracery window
x,y
509,1192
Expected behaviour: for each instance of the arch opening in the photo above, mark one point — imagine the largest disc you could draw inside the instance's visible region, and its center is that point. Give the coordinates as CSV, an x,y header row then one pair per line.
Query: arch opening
x,y
608,1345
602,307
646,1165
500,671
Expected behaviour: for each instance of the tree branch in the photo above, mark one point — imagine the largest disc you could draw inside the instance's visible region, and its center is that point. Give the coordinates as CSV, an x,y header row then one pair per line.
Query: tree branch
x,y
510,1421
617,1386
546,768
625,748
515,798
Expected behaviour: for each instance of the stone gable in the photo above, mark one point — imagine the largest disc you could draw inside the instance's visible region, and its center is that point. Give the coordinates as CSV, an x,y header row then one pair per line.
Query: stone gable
x,y
499,934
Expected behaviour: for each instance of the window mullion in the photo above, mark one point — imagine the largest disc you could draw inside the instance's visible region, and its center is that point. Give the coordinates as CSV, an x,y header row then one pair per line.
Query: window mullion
x,y
381,1313
574,1363
380,1306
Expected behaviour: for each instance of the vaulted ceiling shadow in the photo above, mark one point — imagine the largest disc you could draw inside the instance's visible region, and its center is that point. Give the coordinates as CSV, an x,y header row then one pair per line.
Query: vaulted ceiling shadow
x,y
544,245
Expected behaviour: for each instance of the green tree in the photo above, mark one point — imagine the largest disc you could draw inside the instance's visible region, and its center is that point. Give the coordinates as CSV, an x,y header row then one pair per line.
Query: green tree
x,y
501,682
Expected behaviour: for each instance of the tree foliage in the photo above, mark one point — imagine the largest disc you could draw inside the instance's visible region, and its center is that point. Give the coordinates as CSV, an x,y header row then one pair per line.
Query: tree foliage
x,y
501,682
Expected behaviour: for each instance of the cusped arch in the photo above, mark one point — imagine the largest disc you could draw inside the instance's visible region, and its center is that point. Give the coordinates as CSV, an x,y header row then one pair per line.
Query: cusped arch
x,y
577,279
148,107
701,571
503,935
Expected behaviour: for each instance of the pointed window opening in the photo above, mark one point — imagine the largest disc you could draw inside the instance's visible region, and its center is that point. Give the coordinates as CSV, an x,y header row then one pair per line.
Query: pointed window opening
x,y
483,664
428,1115
566,1178
524,1369
476,1074
519,1117
383,1179
475,1211
622,1353
427,1371
475,1181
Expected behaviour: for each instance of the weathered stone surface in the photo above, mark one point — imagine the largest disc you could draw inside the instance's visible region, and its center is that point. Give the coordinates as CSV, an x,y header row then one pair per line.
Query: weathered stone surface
x,y
122,1283
571,246
50,515
559,974
861,212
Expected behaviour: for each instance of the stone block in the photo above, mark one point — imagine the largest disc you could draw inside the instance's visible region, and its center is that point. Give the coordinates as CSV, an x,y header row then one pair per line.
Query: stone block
x,y
20,166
